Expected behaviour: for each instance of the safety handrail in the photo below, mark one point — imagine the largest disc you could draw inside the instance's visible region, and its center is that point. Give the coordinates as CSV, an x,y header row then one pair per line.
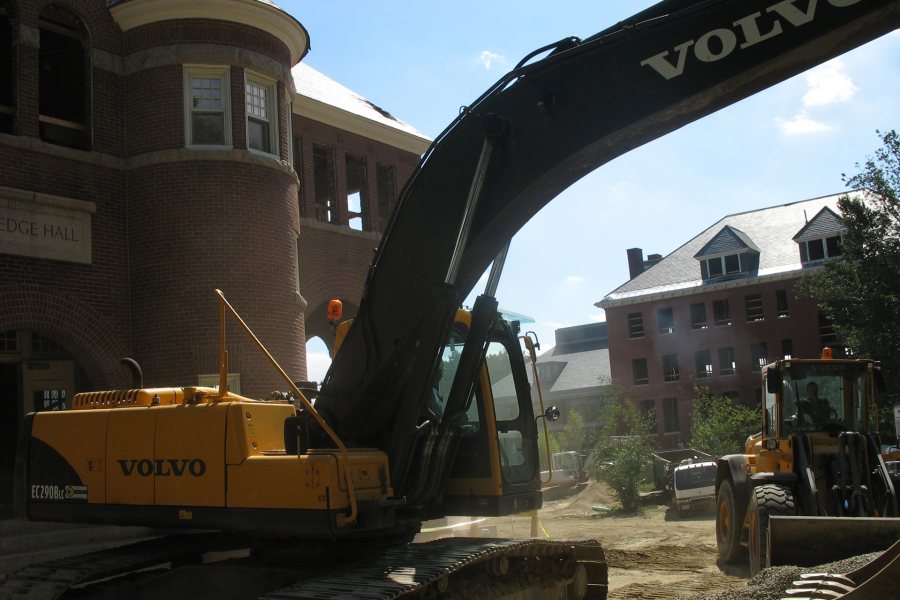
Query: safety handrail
x,y
223,391
529,346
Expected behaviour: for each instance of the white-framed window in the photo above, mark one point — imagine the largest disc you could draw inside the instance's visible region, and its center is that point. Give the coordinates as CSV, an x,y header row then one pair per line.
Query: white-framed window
x,y
818,249
207,117
718,266
261,96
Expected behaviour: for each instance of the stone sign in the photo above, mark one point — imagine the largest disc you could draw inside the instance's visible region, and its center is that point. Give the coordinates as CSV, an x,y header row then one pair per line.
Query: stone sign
x,y
45,226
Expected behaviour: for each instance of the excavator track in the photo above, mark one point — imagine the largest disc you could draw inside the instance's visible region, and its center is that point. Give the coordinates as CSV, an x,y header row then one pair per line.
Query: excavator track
x,y
464,567
449,568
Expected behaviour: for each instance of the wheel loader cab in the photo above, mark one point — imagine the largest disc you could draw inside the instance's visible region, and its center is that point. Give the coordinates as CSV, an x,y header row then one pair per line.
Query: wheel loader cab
x,y
821,395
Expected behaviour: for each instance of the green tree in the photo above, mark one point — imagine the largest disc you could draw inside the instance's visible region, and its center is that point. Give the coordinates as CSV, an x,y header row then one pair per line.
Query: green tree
x,y
860,291
719,426
623,454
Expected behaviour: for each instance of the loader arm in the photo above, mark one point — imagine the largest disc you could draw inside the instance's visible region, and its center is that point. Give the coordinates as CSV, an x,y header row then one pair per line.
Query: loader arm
x,y
562,116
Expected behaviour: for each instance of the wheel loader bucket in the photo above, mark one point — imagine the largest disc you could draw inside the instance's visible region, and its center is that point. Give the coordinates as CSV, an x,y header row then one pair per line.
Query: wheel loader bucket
x,y
810,541
874,580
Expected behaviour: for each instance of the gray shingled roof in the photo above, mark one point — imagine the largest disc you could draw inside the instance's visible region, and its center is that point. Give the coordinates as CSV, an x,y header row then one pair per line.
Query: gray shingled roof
x,y
313,84
825,223
728,241
771,229
583,370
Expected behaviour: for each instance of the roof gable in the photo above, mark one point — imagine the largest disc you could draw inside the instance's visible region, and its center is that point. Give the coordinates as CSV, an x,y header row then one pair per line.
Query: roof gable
x,y
826,223
728,241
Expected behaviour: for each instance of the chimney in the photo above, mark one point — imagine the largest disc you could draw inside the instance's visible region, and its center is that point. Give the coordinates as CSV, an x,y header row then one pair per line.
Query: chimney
x,y
635,262
652,259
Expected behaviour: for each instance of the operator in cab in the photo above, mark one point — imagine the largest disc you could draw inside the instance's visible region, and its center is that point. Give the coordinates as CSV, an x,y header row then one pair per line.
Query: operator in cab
x,y
813,412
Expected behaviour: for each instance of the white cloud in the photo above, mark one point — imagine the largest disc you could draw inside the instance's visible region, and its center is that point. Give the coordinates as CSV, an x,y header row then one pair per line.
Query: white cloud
x,y
801,124
488,59
828,84
575,280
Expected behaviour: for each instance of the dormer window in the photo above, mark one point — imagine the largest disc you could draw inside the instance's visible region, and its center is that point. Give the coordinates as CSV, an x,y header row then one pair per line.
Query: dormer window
x,y
729,253
722,265
820,238
820,249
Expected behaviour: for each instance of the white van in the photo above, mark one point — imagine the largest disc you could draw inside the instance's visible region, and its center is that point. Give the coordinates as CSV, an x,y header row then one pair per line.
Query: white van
x,y
695,485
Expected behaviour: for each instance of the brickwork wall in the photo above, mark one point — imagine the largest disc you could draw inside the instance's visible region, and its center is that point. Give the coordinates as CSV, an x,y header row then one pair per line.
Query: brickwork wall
x,y
801,327
202,225
334,259
155,119
100,288
173,224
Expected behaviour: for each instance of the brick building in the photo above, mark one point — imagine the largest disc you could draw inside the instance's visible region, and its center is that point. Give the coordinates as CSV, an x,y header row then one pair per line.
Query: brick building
x,y
149,154
715,310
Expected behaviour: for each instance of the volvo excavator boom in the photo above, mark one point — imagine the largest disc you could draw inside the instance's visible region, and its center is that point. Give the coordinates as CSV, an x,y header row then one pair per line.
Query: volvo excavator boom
x,y
540,128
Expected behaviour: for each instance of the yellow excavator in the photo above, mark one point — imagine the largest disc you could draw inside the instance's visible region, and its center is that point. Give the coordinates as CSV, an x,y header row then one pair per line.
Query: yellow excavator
x,y
812,487
322,498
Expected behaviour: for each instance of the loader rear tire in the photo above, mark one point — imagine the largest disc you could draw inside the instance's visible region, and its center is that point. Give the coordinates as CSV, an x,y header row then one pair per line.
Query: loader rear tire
x,y
728,525
765,501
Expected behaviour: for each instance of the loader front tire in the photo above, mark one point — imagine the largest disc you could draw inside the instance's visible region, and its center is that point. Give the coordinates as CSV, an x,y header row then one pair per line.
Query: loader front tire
x,y
728,525
765,501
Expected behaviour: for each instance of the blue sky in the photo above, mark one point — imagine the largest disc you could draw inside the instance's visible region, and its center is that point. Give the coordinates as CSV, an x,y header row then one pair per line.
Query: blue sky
x,y
423,60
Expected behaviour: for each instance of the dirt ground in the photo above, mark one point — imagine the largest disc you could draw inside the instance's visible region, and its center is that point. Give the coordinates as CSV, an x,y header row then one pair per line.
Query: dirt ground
x,y
654,554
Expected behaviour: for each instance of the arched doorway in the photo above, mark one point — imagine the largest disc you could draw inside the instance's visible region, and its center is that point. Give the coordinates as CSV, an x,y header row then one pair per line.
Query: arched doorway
x,y
36,374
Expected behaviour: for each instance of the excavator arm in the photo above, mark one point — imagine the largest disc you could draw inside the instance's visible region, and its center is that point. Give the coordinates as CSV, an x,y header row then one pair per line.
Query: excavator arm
x,y
539,129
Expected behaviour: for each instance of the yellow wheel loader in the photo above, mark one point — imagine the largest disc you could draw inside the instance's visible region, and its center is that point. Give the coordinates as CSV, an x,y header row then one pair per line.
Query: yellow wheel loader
x,y
812,486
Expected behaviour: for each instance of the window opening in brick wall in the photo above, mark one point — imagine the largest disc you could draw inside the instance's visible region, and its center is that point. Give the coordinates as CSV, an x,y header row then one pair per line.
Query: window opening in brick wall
x,y
670,415
297,162
262,126
670,367
759,356
9,342
698,316
827,334
357,201
787,348
665,320
727,365
386,188
323,184
754,305
208,109
721,312
44,345
639,371
635,325
63,71
7,77
648,412
703,364
781,304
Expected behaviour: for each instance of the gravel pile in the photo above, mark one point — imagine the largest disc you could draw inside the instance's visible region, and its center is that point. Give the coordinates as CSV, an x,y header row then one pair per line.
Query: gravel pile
x,y
771,583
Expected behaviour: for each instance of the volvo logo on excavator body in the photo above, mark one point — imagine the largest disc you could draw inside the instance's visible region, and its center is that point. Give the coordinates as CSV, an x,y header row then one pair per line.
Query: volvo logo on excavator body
x,y
162,467
747,31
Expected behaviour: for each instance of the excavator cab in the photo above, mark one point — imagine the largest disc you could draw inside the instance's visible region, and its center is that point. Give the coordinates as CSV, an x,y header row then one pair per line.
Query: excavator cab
x,y
496,470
